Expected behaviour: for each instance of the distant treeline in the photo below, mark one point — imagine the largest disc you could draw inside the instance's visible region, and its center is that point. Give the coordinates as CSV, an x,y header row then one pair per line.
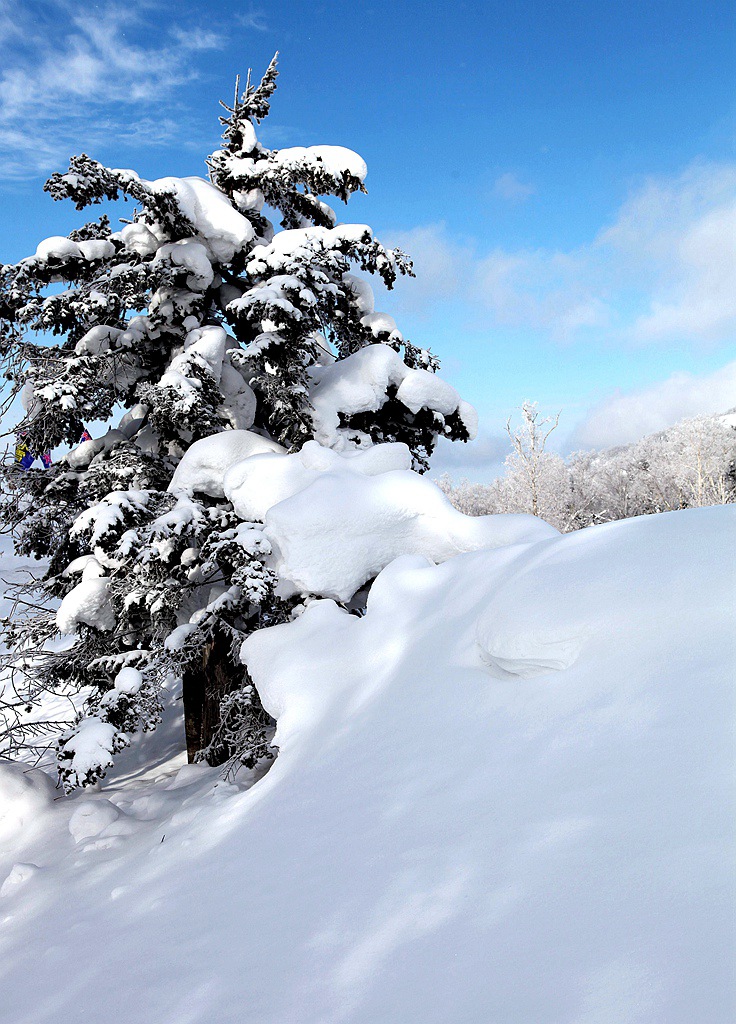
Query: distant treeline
x,y
690,465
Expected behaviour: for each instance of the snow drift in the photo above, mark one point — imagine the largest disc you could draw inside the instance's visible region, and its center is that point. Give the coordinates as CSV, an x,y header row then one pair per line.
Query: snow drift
x,y
334,519
503,794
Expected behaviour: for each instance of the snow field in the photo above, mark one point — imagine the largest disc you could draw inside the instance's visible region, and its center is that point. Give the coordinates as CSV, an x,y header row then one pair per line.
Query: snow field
x,y
503,794
502,791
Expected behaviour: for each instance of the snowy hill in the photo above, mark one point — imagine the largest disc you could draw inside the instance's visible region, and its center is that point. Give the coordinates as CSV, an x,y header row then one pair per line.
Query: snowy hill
x,y
505,794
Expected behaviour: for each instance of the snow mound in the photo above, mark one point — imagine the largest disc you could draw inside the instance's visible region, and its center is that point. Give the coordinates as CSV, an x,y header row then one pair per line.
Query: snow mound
x,y
25,794
527,654
87,565
335,519
18,876
91,817
57,247
344,527
553,833
255,485
205,463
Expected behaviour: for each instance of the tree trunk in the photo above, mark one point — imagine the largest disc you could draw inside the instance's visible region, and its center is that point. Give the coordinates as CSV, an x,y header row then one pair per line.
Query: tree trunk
x,y
204,686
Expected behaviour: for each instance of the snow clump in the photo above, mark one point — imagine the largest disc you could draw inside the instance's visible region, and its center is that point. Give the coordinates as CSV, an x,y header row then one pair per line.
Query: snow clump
x,y
206,462
359,384
25,795
345,527
88,604
90,817
219,227
257,484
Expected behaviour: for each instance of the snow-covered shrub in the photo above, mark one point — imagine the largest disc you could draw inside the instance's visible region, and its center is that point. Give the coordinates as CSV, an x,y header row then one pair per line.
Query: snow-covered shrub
x,y
217,335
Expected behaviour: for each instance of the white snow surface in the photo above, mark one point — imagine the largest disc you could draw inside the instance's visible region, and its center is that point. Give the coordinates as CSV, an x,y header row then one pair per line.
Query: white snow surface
x,y
58,248
335,519
89,604
220,228
297,245
191,255
336,160
139,238
257,484
505,794
205,463
344,528
24,796
208,349
91,817
80,457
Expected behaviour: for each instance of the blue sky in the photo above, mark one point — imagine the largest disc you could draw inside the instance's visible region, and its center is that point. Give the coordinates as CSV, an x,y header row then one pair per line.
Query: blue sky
x,y
563,174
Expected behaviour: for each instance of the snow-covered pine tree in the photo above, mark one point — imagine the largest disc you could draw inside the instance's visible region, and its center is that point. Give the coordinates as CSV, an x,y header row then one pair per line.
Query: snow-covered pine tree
x,y
196,317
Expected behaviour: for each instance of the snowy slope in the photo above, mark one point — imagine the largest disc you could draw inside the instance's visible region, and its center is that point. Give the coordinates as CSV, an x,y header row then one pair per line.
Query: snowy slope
x,y
504,796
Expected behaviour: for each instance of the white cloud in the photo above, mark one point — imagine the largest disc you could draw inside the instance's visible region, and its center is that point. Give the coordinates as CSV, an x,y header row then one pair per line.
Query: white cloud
x,y
507,186
549,291
9,27
441,265
687,229
623,418
480,460
664,270
72,74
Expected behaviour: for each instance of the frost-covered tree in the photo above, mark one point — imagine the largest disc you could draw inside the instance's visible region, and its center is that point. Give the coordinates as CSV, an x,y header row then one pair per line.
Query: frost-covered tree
x,y
690,465
536,480
197,317
472,499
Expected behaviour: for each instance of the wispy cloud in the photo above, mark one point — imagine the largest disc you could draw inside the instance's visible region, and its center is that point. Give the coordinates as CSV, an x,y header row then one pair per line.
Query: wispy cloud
x,y
71,75
622,418
509,187
442,265
255,18
681,234
9,27
663,270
